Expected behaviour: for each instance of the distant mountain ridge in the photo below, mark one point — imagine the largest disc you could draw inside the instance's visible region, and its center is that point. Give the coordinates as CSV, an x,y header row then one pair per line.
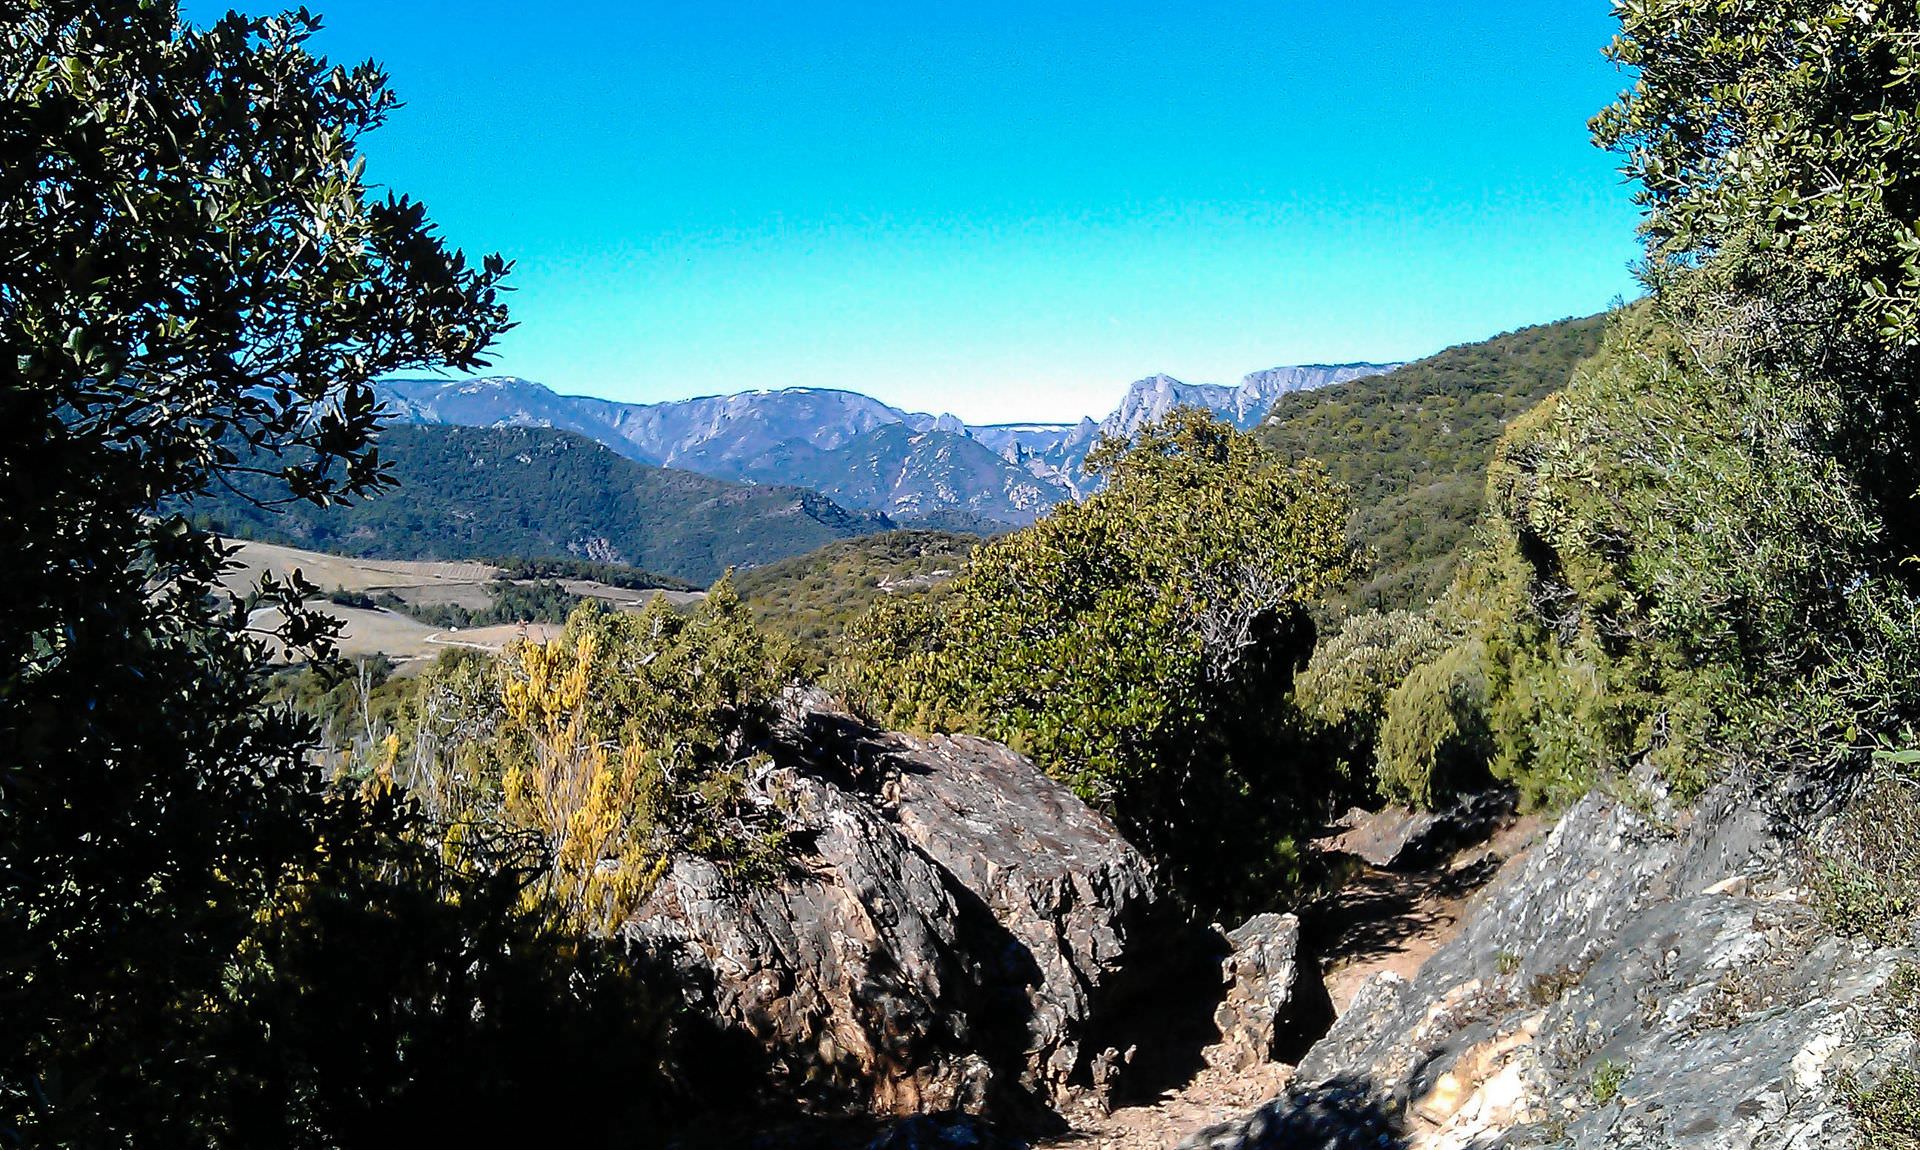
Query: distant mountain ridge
x,y
539,493
863,453
1244,405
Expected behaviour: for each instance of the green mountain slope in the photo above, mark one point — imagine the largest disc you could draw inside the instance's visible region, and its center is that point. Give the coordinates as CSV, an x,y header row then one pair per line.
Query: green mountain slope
x,y
1414,444
522,492
813,596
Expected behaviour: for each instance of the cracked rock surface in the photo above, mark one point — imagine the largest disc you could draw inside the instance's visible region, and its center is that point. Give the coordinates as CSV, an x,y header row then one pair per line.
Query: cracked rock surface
x,y
1646,978
951,936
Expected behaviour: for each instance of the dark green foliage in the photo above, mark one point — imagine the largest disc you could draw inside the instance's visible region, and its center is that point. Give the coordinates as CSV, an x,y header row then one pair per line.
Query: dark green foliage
x,y
611,574
813,597
204,943
1434,738
1139,645
511,602
383,989
1675,568
1778,157
1347,681
1413,447
541,494
342,597
1702,554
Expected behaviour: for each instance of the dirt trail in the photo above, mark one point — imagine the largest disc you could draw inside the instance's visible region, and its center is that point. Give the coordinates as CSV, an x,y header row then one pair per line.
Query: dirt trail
x,y
1392,921
1380,921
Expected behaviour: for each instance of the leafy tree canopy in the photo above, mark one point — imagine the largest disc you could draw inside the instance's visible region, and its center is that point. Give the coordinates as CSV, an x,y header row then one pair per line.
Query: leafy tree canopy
x,y
1139,646
1778,157
205,944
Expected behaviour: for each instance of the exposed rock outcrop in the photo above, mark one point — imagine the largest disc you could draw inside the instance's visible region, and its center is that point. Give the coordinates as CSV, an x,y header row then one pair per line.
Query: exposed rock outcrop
x,y
1335,1116
949,939
1275,1003
1400,839
1648,977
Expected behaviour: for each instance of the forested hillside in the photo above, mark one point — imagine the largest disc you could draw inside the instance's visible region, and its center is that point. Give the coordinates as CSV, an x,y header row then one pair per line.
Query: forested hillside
x,y
534,493
660,865
1413,446
813,597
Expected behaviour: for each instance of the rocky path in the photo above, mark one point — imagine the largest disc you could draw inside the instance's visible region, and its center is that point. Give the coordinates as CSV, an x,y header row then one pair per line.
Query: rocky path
x,y
1211,1096
1381,920
1387,920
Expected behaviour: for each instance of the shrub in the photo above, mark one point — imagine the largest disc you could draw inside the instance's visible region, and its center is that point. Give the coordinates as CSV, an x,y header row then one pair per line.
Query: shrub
x,y
1864,874
1607,1081
1673,569
1886,1114
624,741
1434,738
1140,645
1347,681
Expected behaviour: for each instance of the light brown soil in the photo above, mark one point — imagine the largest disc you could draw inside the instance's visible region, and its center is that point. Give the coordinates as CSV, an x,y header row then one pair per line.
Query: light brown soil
x,y
1213,1096
1380,921
330,571
1391,922
400,637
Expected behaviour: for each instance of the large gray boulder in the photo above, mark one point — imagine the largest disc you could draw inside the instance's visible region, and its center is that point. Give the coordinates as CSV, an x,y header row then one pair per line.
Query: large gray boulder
x,y
949,939
1648,977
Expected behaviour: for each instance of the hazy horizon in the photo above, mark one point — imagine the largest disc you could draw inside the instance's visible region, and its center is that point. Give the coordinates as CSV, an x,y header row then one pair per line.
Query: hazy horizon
x,y
997,211
1119,389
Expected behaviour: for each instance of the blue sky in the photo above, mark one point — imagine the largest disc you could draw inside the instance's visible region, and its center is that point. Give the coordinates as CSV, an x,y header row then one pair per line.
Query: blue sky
x,y
1004,210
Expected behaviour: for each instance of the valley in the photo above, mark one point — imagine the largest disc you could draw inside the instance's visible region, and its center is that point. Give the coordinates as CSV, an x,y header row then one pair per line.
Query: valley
x,y
389,630
1411,441
540,493
915,468
1512,748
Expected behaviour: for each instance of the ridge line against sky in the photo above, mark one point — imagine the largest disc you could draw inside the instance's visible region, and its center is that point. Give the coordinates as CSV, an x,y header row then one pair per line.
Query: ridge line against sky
x,y
1003,211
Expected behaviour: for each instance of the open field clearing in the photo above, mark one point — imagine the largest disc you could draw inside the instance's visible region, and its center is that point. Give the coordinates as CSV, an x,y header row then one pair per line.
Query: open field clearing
x,y
399,636
371,575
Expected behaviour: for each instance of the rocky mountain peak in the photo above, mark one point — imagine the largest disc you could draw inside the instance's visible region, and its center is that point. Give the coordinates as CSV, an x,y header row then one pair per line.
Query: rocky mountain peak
x,y
825,438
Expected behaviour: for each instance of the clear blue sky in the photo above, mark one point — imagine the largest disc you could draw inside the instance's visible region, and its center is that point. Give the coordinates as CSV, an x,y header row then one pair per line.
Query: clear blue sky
x,y
1005,210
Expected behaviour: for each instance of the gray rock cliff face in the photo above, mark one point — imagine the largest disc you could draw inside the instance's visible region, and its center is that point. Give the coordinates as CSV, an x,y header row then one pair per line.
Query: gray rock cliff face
x,y
1646,978
948,940
1242,405
863,452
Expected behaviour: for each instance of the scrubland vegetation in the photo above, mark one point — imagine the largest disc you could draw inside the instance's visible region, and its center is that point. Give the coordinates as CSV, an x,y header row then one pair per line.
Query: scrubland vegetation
x,y
1139,644
1693,553
813,597
1413,445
